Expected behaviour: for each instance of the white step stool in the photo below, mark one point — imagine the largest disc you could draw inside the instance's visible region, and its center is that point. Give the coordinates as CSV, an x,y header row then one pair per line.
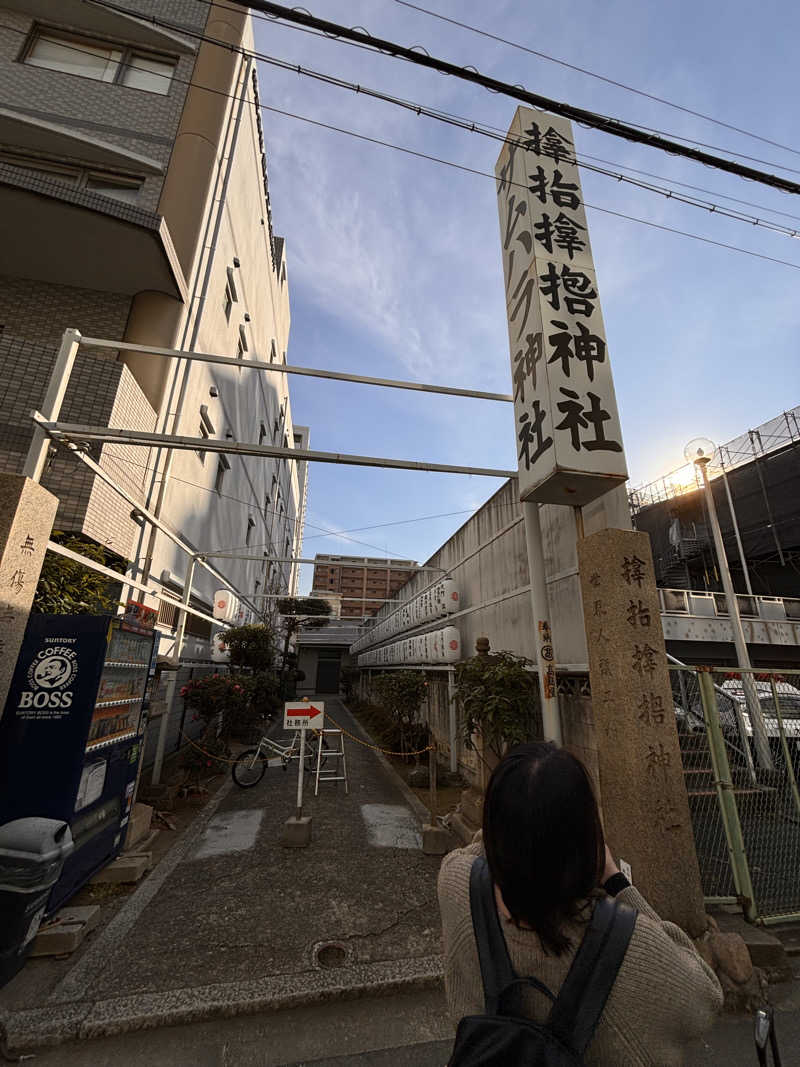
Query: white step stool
x,y
339,772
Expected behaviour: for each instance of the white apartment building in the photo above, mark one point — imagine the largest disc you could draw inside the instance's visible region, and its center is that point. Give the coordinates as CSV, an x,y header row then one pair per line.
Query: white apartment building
x,y
134,207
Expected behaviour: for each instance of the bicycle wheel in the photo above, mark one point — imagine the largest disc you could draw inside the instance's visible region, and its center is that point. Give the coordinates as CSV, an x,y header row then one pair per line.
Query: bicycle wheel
x,y
248,770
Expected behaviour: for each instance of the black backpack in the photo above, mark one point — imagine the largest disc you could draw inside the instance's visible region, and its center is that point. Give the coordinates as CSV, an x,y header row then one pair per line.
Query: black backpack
x,y
502,1039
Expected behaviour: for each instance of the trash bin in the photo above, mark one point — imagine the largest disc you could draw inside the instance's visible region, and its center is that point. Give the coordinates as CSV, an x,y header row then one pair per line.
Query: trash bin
x,y
32,853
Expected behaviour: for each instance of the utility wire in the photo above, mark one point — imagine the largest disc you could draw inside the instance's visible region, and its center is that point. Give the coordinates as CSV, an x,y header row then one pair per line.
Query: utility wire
x,y
696,188
252,506
594,207
639,126
594,74
474,127
588,118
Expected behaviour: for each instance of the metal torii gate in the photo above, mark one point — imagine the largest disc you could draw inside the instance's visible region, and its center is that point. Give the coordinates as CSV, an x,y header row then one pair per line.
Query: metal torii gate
x,y
48,427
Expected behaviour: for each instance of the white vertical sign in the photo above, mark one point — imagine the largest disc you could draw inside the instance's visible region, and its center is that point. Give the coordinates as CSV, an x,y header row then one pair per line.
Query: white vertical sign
x,y
568,435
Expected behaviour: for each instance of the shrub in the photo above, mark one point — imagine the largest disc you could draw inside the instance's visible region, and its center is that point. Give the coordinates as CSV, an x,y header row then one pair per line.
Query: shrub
x,y
222,698
251,646
401,693
499,700
69,588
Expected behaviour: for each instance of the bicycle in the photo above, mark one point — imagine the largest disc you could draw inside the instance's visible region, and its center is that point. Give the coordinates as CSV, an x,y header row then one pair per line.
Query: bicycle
x,y
248,770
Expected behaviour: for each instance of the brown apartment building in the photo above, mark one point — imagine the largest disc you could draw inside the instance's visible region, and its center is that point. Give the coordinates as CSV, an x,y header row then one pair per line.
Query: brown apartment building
x,y
364,584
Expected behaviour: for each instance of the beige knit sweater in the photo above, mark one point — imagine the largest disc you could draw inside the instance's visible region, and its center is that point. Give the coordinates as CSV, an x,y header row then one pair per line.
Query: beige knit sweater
x,y
664,995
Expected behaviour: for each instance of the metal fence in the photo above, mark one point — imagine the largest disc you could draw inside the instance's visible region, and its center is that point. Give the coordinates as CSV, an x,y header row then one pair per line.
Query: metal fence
x,y
739,735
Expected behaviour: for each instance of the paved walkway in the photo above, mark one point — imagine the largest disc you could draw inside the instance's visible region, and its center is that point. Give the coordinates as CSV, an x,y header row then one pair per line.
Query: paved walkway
x,y
224,931
230,921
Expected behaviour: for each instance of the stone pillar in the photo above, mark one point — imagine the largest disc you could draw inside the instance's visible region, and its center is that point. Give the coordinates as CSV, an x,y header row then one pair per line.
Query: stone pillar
x,y
27,512
644,801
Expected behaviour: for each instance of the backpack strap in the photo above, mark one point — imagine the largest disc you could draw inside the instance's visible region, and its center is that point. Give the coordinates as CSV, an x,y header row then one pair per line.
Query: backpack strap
x,y
497,972
585,990
496,969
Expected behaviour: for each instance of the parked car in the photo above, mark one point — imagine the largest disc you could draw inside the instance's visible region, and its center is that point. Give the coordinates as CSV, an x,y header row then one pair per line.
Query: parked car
x,y
788,705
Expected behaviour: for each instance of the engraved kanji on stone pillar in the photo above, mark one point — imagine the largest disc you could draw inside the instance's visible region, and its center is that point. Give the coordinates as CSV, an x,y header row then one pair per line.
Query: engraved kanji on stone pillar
x,y
644,800
27,512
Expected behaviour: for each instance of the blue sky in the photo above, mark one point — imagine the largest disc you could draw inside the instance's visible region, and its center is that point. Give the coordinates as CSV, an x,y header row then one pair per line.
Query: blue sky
x,y
394,262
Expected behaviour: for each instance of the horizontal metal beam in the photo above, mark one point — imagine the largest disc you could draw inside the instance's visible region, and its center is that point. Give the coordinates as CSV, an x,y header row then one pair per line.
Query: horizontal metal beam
x,y
77,433
303,559
93,565
287,368
310,596
147,514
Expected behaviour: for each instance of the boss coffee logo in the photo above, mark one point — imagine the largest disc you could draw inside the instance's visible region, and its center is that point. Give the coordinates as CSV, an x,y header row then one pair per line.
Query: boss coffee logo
x,y
50,677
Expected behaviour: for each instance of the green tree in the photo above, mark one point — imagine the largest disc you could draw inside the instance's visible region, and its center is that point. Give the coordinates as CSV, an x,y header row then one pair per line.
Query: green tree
x,y
69,588
251,646
301,613
499,700
402,693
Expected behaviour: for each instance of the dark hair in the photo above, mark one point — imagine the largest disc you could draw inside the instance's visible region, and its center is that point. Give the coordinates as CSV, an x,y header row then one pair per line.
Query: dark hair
x,y
543,838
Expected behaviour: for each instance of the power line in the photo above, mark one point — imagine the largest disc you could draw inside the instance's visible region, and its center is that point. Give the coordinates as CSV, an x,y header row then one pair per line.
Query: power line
x,y
594,207
325,532
696,188
639,126
588,118
248,504
474,127
487,129
419,518
599,77
483,127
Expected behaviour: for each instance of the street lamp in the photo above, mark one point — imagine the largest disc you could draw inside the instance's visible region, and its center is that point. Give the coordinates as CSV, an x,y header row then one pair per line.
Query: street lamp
x,y
700,451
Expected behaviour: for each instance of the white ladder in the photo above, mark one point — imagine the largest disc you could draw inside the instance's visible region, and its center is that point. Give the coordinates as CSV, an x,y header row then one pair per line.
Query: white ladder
x,y
339,772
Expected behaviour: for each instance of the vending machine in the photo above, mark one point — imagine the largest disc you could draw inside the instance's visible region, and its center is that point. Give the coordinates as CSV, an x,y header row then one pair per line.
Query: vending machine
x,y
72,731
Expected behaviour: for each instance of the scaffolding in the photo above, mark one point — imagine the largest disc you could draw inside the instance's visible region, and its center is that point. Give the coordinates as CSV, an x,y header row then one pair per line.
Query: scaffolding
x,y
770,436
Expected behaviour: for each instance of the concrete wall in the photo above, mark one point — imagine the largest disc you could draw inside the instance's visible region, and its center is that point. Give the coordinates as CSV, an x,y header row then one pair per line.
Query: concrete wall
x,y
100,391
487,558
246,401
34,315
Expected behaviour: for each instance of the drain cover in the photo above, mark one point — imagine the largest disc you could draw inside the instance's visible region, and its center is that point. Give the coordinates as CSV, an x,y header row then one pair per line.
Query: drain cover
x,y
330,955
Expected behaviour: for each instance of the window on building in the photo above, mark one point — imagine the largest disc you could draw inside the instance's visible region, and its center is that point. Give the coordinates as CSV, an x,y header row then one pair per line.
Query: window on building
x,y
240,351
99,60
205,435
152,73
231,294
262,433
222,466
273,353
251,522
126,190
115,186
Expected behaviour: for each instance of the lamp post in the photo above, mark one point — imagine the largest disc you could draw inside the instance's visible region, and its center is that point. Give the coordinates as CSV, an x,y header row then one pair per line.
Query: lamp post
x,y
700,452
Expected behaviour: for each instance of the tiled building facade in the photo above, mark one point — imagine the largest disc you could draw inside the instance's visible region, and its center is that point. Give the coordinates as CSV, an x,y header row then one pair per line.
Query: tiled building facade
x,y
363,584
134,207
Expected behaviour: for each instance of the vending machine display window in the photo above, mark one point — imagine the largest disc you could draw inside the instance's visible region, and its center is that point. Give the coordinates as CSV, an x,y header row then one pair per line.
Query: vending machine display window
x,y
71,732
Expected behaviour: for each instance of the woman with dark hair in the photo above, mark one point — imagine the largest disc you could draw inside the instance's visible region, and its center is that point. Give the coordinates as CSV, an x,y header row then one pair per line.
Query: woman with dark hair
x,y
547,858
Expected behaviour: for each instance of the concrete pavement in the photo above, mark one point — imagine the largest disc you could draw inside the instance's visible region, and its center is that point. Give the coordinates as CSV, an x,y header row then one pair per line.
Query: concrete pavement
x,y
230,922
409,1027
212,961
